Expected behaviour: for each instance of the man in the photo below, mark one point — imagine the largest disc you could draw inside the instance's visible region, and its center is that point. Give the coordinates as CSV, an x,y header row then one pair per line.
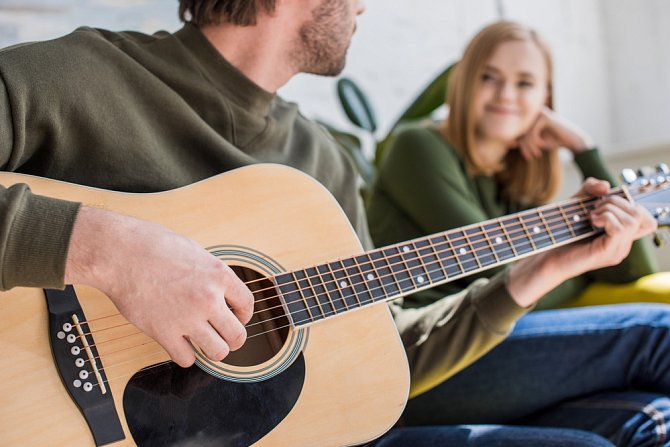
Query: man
x,y
140,113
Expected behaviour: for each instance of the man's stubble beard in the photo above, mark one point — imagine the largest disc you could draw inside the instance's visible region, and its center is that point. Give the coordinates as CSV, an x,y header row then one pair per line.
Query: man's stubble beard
x,y
323,41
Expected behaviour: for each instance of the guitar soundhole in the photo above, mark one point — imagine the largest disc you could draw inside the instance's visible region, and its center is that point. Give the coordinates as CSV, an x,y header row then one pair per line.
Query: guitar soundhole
x,y
268,329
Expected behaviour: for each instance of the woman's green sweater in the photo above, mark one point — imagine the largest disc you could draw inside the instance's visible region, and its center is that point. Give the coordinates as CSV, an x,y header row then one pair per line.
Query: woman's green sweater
x,y
424,188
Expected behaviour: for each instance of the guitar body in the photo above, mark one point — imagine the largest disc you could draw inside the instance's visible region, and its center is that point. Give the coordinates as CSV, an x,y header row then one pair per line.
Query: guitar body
x,y
340,381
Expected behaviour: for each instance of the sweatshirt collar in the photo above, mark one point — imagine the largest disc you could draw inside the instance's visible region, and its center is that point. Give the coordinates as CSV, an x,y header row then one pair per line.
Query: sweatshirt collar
x,y
225,76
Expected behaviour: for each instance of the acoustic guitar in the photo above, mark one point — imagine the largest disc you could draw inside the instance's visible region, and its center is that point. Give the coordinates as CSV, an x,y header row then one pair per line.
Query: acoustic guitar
x,y
323,364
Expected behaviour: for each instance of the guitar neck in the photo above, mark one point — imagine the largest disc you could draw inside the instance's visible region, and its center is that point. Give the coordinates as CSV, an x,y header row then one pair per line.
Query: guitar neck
x,y
387,273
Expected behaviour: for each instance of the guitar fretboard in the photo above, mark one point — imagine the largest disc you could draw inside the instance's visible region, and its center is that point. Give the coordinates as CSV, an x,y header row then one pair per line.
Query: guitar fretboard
x,y
390,272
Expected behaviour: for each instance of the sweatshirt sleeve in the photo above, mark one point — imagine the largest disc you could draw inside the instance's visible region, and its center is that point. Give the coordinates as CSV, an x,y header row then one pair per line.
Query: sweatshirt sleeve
x,y
34,230
450,334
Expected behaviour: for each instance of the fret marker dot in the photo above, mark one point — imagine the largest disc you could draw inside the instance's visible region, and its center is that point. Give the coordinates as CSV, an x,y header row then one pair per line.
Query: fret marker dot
x,y
575,218
462,251
405,249
498,240
370,276
536,230
420,279
343,284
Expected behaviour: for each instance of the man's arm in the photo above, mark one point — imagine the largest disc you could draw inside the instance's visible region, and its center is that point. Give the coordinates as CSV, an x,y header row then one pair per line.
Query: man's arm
x,y
623,223
164,283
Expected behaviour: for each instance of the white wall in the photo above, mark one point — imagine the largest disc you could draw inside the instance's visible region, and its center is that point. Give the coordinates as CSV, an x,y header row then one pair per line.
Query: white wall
x,y
638,53
612,56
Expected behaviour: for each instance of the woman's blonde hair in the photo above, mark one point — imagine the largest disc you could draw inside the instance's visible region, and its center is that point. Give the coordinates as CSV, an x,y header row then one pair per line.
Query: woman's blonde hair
x,y
534,181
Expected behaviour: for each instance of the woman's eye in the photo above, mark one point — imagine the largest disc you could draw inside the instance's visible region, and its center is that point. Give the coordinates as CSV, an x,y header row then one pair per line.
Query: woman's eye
x,y
525,84
488,78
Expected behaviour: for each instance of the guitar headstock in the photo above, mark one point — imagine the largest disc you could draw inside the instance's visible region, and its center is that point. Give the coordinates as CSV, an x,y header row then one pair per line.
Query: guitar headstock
x,y
651,188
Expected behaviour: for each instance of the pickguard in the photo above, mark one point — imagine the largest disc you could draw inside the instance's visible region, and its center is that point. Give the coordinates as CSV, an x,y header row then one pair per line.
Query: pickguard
x,y
170,406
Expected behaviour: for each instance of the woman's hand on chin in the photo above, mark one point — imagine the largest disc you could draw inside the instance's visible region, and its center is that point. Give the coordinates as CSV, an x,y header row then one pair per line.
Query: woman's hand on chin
x,y
551,131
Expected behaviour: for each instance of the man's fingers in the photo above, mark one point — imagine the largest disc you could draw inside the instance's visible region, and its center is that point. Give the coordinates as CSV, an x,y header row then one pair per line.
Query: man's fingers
x,y
239,297
227,325
180,350
211,343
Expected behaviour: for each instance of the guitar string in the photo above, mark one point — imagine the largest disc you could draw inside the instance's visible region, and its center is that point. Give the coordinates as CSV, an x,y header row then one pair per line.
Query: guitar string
x,y
538,218
553,208
150,369
153,368
344,297
251,336
465,237
524,235
151,341
343,300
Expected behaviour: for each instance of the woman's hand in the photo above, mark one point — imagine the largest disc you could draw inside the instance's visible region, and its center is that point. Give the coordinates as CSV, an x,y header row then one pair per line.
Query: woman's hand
x,y
551,132
622,222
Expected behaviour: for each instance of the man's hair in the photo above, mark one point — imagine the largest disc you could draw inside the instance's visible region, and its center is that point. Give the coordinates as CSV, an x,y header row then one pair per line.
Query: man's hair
x,y
213,12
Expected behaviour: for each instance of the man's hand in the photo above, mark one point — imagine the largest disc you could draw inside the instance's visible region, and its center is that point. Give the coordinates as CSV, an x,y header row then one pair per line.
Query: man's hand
x,y
164,283
623,223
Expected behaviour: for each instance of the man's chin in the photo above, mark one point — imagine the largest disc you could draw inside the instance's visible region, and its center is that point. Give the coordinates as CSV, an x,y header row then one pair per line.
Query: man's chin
x,y
331,70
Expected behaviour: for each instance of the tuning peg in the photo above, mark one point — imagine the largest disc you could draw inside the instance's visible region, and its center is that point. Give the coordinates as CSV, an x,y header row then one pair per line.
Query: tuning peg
x,y
628,176
661,238
646,171
662,168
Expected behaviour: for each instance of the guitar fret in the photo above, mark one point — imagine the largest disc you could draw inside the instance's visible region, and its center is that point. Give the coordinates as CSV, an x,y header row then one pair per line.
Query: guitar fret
x,y
353,279
464,256
519,237
509,240
450,262
566,220
371,278
500,245
587,213
332,293
362,294
439,273
417,251
481,246
428,253
578,224
526,232
547,227
307,295
384,273
320,292
296,307
345,284
473,252
400,273
489,244
417,271
539,235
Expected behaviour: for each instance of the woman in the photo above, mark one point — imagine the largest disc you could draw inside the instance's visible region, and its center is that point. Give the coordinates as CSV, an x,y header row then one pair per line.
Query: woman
x,y
495,154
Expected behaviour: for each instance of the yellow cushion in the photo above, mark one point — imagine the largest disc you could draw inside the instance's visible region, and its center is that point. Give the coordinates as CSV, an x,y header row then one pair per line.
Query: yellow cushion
x,y
654,288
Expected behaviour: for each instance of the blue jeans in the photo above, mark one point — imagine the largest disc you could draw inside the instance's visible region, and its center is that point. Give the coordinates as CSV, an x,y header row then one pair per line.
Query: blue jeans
x,y
587,376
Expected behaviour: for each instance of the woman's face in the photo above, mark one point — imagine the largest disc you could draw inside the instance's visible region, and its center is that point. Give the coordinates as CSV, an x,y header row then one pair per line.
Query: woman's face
x,y
511,92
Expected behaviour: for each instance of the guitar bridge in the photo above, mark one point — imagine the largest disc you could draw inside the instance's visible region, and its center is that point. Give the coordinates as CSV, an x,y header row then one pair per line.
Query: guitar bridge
x,y
79,367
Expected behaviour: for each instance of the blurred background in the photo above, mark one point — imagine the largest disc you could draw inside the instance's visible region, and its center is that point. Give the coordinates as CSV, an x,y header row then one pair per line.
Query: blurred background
x,y
612,58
